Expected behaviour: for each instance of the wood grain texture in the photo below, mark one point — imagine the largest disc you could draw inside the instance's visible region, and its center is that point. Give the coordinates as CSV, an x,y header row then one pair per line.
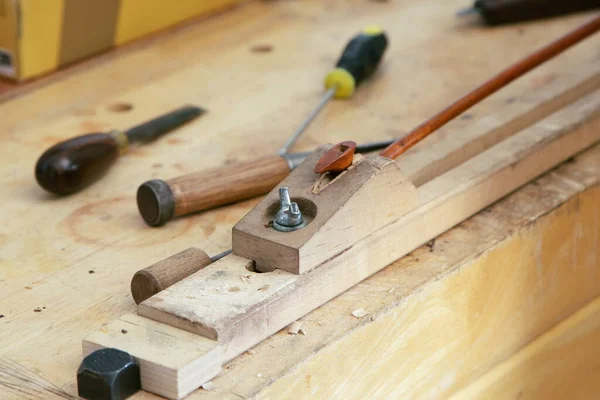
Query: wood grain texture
x,y
49,247
446,201
448,312
172,362
562,363
159,276
224,185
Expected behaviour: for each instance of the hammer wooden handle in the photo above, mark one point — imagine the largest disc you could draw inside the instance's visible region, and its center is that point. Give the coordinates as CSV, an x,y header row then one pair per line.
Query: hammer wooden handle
x,y
159,276
159,201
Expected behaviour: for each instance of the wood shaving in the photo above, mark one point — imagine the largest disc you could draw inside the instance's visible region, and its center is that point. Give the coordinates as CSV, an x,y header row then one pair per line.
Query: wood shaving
x,y
208,386
259,375
303,331
359,313
391,290
246,278
294,328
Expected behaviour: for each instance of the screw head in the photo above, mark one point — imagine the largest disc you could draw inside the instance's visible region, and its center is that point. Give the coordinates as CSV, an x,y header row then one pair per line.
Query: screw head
x,y
289,217
109,374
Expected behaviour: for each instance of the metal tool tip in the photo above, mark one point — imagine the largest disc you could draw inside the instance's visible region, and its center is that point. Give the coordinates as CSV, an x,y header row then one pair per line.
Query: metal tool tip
x,y
220,255
195,110
467,11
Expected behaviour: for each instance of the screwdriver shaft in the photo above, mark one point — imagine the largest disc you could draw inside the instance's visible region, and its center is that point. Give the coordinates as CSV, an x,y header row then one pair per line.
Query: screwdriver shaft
x,y
292,139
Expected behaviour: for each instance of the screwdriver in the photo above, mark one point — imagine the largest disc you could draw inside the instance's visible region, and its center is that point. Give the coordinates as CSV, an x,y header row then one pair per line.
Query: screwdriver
x,y
71,165
159,201
358,61
497,12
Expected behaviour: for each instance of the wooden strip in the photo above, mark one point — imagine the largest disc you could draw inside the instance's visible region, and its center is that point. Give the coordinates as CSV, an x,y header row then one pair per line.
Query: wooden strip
x,y
560,364
439,157
172,362
18,382
446,201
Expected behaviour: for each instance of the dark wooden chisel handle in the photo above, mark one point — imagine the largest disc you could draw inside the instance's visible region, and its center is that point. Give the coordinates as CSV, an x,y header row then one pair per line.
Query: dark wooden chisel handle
x,y
74,164
497,12
158,200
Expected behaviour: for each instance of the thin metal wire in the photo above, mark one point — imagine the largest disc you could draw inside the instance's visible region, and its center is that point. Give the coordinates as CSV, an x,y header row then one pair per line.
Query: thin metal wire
x,y
220,255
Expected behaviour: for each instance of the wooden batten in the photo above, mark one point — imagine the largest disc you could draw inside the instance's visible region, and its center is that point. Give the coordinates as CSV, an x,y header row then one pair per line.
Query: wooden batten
x,y
369,195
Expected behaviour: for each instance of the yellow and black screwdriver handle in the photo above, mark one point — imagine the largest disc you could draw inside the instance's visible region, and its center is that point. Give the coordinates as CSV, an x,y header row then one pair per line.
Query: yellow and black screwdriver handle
x,y
359,60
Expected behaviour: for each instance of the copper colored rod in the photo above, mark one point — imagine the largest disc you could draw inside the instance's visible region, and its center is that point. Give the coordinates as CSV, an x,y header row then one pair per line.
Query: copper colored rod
x,y
499,81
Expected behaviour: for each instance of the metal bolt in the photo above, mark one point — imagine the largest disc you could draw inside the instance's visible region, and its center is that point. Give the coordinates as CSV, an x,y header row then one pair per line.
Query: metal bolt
x,y
108,374
289,217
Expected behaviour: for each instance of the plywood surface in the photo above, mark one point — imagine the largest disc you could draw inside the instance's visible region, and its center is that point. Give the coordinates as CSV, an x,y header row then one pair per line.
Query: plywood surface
x,y
65,264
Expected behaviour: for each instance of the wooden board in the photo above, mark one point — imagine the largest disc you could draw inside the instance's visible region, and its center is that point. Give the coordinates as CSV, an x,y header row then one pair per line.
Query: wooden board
x,y
49,246
561,363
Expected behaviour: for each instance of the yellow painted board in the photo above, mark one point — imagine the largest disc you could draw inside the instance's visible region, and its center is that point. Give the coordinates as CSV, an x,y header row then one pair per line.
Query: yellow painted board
x,y
8,38
40,35
141,17
43,35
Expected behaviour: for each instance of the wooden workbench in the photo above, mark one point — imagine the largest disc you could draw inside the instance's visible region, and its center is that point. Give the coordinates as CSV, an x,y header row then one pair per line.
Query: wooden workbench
x,y
512,314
